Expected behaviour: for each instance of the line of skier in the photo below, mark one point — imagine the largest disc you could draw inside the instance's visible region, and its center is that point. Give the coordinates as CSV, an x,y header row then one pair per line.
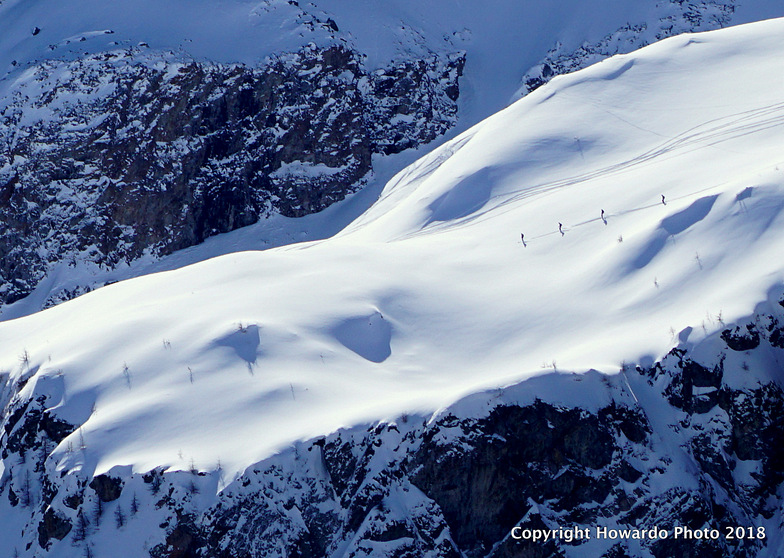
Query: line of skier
x,y
560,225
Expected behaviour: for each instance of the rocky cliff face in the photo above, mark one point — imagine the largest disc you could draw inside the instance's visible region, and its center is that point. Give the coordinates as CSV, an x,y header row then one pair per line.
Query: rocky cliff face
x,y
685,442
117,154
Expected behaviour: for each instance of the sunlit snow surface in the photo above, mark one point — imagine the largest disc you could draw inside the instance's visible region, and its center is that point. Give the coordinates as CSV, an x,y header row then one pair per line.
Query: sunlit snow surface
x,y
431,295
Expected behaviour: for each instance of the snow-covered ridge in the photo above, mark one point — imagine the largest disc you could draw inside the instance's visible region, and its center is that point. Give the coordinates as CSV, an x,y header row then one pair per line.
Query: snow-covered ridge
x,y
674,18
432,295
506,38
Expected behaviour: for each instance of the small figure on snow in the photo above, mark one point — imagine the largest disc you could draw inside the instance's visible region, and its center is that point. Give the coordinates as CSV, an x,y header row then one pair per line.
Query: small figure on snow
x,y
603,219
560,228
522,237
663,202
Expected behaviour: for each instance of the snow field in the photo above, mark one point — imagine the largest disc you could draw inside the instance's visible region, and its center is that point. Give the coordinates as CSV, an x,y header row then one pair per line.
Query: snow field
x,y
430,295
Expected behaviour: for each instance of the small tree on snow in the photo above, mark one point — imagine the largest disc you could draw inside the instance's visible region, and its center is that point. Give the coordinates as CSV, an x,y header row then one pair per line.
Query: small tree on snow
x,y
82,524
155,483
98,511
44,454
134,505
193,488
26,492
127,375
24,359
119,517
82,443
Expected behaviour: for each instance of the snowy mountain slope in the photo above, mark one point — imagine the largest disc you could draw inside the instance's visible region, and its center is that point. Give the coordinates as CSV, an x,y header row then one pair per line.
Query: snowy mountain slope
x,y
431,296
239,96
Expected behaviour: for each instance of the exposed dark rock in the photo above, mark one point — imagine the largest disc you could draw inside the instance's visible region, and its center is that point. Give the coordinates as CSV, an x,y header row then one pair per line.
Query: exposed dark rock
x,y
756,433
182,542
740,338
523,454
12,421
13,499
776,334
73,501
107,488
628,473
631,422
711,460
53,526
341,465
56,429
681,392
30,426
617,551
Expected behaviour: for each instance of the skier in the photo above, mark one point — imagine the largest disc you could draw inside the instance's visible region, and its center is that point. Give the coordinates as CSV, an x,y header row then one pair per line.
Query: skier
x,y
522,237
560,228
603,219
663,202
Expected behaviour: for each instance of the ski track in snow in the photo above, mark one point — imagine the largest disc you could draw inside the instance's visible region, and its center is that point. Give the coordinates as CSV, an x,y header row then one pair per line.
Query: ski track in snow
x,y
708,134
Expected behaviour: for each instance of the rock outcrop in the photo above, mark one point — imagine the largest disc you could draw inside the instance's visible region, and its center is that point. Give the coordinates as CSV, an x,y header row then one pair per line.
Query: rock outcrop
x,y
119,154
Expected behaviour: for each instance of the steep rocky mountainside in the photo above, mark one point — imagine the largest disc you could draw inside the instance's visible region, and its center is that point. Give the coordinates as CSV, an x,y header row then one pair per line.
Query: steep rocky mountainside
x,y
690,442
108,157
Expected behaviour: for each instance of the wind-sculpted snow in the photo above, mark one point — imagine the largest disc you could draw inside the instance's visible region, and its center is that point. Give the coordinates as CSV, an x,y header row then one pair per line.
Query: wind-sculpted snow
x,y
672,225
368,336
174,383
